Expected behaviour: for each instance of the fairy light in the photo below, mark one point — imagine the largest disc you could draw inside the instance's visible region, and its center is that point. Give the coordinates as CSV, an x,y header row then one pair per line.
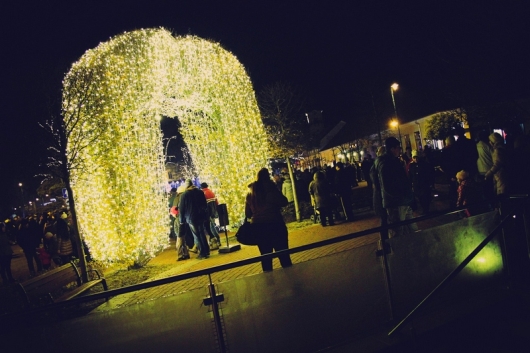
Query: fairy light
x,y
133,80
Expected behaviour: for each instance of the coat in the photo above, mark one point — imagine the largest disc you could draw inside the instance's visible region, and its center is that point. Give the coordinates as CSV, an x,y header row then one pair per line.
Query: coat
x,y
287,188
5,245
192,207
270,210
396,189
321,191
499,169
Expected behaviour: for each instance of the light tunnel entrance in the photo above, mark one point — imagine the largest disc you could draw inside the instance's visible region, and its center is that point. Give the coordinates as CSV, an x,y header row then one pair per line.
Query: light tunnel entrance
x,y
117,93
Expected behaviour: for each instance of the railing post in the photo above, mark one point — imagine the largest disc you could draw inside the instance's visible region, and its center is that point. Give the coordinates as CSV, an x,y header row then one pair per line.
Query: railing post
x,y
217,317
515,241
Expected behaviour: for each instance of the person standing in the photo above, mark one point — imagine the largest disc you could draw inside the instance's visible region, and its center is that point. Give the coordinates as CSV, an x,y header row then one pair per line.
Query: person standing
x,y
498,171
263,206
421,175
449,167
287,186
180,232
467,193
343,188
6,253
466,153
396,190
65,248
193,212
366,165
322,198
484,164
29,242
171,200
377,197
211,229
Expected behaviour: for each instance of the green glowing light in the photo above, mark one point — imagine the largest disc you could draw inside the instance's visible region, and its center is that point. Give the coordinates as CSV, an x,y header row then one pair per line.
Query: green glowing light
x,y
126,85
487,261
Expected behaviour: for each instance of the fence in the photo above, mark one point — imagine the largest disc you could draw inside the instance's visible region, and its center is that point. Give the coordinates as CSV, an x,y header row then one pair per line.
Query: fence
x,y
309,307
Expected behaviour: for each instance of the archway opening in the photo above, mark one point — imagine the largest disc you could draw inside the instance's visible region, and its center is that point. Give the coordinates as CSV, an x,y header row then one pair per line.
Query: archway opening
x,y
119,91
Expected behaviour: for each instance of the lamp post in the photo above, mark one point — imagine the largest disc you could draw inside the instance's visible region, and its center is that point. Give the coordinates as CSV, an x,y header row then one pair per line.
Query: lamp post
x,y
395,122
22,196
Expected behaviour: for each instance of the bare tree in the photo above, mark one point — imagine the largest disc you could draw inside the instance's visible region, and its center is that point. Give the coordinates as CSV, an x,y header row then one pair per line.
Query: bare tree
x,y
64,152
281,107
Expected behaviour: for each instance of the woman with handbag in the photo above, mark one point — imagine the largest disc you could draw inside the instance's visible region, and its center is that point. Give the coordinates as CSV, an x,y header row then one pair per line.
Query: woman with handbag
x,y
263,206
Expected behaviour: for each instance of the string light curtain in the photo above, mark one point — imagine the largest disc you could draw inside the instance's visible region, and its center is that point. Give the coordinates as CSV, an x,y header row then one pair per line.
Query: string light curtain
x,y
124,86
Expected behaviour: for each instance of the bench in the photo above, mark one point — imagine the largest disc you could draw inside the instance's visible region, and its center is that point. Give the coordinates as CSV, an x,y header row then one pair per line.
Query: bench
x,y
49,287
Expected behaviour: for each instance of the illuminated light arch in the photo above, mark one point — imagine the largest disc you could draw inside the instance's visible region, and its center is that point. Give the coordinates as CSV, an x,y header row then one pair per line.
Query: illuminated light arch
x,y
126,85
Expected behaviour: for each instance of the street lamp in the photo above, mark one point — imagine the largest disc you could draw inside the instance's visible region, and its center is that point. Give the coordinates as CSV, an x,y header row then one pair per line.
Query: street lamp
x,y
395,122
22,196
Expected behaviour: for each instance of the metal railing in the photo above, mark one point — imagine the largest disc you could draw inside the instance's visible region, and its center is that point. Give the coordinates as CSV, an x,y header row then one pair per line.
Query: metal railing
x,y
495,232
23,316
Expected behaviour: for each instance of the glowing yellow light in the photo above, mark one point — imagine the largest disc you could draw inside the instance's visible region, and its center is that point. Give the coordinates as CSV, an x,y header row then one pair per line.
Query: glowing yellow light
x,y
394,123
126,85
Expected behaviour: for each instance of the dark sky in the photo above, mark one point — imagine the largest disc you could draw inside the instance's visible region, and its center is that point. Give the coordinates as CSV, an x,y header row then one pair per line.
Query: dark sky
x,y
341,53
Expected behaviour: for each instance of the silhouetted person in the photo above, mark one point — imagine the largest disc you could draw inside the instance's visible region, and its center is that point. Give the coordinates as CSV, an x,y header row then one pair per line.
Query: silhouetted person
x,y
263,206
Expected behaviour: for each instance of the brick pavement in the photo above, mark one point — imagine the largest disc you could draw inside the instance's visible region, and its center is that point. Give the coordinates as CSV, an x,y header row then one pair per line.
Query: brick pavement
x,y
309,233
306,235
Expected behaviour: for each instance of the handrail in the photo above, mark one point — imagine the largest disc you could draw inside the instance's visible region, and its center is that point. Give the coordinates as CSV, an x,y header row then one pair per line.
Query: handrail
x,y
208,271
454,273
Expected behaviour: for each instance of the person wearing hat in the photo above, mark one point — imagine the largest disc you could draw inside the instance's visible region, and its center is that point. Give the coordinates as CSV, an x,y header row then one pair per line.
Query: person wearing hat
x,y
421,175
193,212
395,187
211,202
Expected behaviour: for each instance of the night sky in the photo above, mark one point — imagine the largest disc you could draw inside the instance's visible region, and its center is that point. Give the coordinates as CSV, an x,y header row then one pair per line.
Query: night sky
x,y
342,54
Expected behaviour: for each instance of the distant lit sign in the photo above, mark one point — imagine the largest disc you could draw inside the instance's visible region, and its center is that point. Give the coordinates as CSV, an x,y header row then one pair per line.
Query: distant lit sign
x,y
65,193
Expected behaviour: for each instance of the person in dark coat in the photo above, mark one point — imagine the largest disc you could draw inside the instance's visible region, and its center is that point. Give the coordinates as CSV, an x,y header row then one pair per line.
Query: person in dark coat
x,y
466,152
180,231
421,174
263,206
396,189
366,165
65,246
322,198
6,253
343,188
29,240
211,229
193,212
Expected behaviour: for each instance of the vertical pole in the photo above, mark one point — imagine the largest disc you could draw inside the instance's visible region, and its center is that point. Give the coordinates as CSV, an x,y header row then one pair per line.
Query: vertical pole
x,y
293,182
22,196
396,114
216,316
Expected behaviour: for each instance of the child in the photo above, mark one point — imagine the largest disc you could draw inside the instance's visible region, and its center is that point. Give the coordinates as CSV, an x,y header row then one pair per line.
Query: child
x,y
44,257
467,193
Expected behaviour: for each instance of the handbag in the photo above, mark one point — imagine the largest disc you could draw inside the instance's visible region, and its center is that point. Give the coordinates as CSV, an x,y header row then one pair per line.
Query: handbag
x,y
246,234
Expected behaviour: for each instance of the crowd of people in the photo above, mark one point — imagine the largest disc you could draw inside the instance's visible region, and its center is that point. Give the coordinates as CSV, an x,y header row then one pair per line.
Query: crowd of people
x,y
46,242
479,174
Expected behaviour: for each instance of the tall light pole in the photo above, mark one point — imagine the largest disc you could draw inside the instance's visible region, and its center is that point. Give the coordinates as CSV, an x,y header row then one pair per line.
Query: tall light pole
x,y
22,195
394,87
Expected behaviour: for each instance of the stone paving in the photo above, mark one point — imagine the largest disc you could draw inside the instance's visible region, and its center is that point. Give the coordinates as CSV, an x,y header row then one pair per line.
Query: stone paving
x,y
307,234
